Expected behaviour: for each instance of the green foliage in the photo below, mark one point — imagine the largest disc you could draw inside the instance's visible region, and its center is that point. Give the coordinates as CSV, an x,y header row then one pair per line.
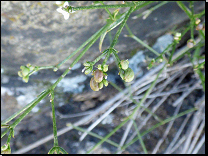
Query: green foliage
x,y
99,78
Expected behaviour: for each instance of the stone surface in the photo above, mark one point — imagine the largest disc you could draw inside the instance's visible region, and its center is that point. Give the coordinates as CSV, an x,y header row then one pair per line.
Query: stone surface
x,y
34,32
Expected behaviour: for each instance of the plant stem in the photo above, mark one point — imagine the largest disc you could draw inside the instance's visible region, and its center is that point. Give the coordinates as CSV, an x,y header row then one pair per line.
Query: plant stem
x,y
84,44
159,124
36,101
54,119
102,6
140,138
23,109
80,55
106,9
95,135
121,27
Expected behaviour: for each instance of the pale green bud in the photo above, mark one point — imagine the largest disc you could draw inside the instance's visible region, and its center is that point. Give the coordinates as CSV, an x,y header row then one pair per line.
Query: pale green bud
x,y
124,64
88,70
25,70
87,64
105,82
105,68
99,67
26,78
100,85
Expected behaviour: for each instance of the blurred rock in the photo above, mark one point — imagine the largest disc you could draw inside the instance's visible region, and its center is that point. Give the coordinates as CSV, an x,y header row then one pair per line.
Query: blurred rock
x,y
34,32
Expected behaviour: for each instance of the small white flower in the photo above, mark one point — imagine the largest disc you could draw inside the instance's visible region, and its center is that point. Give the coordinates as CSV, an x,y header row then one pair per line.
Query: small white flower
x,y
66,14
61,10
66,4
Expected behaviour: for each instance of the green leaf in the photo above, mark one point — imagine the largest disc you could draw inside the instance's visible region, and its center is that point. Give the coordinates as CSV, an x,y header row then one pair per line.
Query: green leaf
x,y
101,40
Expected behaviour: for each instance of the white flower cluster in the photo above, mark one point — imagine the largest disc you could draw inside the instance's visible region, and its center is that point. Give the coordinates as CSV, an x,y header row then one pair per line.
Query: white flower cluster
x,y
61,10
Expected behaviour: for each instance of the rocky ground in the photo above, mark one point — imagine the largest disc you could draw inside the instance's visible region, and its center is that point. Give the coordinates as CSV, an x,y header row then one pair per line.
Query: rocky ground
x,y
30,27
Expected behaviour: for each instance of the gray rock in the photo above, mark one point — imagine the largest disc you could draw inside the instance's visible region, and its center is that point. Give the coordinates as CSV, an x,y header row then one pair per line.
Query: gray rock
x,y
34,32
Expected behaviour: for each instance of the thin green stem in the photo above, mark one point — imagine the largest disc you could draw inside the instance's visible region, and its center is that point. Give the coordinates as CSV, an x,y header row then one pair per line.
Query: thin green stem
x,y
94,134
101,7
106,9
140,138
170,58
149,11
84,44
5,132
192,20
140,41
23,109
14,124
145,45
184,8
159,124
199,14
106,57
107,136
143,4
9,137
201,32
121,27
54,119
80,55
134,101
100,56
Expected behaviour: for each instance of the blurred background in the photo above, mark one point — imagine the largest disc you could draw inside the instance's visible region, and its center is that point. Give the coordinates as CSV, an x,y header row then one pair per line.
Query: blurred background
x,y
34,32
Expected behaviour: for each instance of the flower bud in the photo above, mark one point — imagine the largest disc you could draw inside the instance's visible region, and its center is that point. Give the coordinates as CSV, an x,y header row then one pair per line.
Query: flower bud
x,y
197,21
105,68
124,64
190,43
26,78
100,85
105,82
94,85
25,70
86,64
88,70
99,67
98,75
127,75
199,27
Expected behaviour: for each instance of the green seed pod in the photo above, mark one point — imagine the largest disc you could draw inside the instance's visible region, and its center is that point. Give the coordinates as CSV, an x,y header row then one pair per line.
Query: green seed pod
x,y
100,85
124,64
98,75
105,82
88,70
25,70
94,85
105,68
127,75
